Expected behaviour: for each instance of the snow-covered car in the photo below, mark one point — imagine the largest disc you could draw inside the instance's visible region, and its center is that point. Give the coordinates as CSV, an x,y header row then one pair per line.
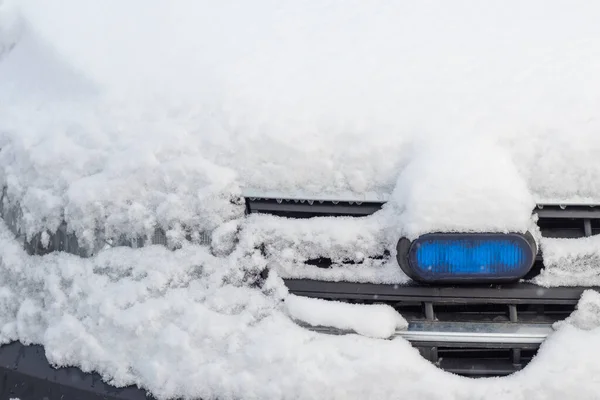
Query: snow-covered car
x,y
268,199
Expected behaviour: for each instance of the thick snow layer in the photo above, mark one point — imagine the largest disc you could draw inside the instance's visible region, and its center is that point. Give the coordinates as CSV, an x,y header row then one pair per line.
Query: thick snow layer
x,y
184,323
493,196
10,27
372,320
570,262
119,117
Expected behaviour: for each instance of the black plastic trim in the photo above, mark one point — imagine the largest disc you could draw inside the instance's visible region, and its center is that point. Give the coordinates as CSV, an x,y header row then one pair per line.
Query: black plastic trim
x,y
473,367
575,211
26,374
405,258
311,208
515,293
483,345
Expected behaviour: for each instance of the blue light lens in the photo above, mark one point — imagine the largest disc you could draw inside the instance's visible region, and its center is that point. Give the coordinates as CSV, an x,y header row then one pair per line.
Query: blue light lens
x,y
436,257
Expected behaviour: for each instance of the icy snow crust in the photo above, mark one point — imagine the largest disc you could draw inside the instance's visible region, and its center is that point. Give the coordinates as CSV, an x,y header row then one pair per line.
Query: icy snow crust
x,y
570,262
121,118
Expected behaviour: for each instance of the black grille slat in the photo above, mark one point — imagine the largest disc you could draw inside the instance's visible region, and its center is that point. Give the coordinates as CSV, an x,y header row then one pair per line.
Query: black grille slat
x,y
463,304
483,362
311,208
568,211
479,366
545,309
514,293
562,227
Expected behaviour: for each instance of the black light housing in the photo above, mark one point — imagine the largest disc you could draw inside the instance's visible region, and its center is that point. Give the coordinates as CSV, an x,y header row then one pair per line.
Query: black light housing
x,y
467,257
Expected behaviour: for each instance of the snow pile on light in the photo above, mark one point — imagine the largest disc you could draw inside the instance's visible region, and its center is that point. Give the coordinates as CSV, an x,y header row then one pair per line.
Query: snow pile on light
x,y
461,184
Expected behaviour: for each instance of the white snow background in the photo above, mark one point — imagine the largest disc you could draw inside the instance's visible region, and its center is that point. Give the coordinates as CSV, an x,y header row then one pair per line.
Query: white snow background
x,y
128,115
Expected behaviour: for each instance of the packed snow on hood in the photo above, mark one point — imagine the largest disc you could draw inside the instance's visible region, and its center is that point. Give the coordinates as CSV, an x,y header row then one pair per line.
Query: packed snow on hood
x,y
121,118
468,112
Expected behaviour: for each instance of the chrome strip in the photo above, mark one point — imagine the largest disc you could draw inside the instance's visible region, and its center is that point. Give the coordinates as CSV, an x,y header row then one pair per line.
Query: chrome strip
x,y
465,332
476,332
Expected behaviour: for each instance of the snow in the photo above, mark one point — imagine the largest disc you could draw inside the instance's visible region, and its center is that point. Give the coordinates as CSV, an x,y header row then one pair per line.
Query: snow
x,y
368,271
372,320
493,196
587,315
352,245
161,122
124,118
184,323
570,262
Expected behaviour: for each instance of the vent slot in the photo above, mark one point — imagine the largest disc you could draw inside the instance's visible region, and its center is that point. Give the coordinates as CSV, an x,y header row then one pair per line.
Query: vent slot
x,y
482,362
562,227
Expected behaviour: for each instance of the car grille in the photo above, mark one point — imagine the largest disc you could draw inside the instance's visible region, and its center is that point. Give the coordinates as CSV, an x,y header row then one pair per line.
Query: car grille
x,y
518,303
